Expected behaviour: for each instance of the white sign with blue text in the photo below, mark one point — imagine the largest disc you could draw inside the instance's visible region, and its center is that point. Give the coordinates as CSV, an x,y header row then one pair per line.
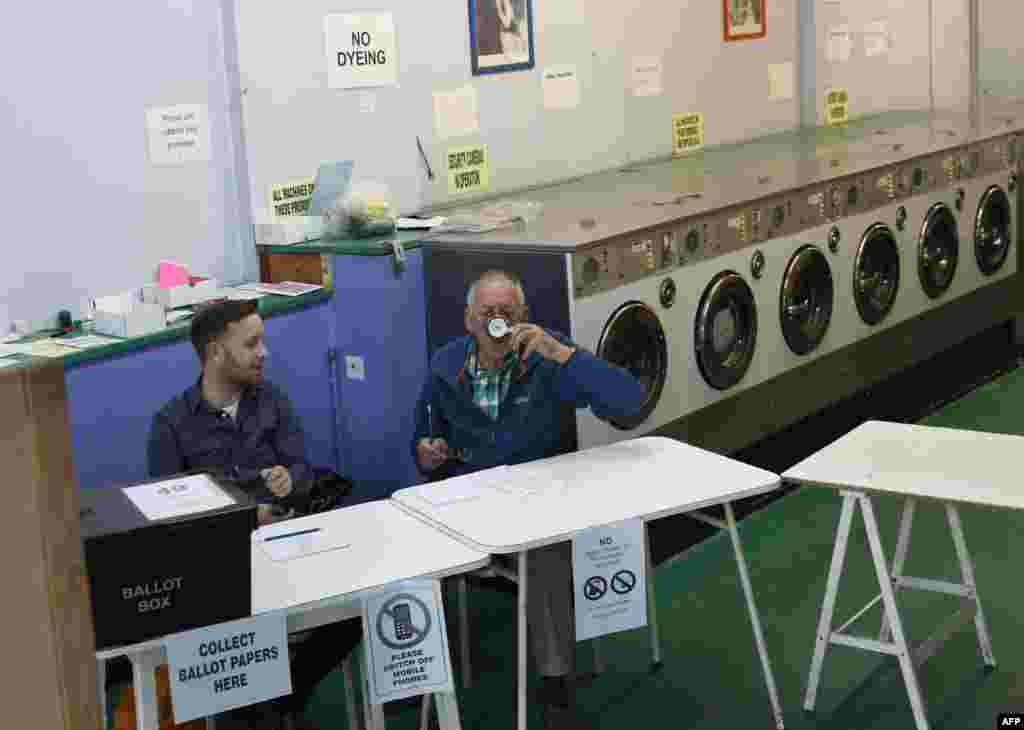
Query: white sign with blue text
x,y
610,579
406,642
224,666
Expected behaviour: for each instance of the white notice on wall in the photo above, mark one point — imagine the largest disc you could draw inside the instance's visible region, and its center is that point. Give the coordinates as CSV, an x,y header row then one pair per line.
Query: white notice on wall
x,y
228,665
455,113
561,87
840,43
178,134
406,642
609,578
361,50
178,497
876,38
646,73
780,81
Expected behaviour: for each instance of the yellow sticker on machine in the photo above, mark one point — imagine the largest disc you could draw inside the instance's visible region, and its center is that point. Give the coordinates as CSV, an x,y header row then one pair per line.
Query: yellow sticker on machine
x,y
467,169
687,133
292,198
837,107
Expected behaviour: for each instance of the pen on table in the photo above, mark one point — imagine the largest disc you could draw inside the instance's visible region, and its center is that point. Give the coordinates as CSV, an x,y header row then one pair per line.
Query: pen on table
x,y
423,155
297,533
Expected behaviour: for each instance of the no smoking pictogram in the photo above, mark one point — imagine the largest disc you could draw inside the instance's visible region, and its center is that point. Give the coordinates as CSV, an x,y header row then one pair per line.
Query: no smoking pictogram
x,y
623,582
595,587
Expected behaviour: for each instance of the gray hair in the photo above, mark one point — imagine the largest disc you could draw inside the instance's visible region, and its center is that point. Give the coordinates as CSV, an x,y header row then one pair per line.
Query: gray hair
x,y
496,275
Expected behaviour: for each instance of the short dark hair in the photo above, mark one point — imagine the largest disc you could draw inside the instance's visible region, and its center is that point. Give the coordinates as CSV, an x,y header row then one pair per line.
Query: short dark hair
x,y
211,321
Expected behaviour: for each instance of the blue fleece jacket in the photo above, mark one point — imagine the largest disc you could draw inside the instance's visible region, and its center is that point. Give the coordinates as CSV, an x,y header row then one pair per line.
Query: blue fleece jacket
x,y
529,424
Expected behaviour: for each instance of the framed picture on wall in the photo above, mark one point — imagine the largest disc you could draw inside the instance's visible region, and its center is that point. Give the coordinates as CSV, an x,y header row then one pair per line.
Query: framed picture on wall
x,y
744,19
501,35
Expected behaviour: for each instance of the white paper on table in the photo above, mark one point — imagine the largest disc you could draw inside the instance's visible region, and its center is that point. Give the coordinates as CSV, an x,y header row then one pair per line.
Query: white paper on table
x,y
47,348
561,86
8,350
177,497
876,38
288,541
646,74
464,488
840,44
241,294
84,342
418,224
456,112
780,81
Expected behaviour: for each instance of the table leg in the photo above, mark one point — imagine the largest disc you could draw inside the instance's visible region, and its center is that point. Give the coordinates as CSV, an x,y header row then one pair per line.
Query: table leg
x,y
448,711
831,591
599,663
101,676
755,620
426,706
467,667
902,547
892,612
521,641
652,608
373,713
347,673
144,664
967,571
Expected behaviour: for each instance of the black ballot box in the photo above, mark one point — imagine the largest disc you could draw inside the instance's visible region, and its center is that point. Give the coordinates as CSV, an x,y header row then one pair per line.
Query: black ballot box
x,y
166,556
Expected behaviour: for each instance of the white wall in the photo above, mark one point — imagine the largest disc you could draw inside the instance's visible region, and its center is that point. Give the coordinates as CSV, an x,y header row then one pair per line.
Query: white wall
x,y
86,213
1001,63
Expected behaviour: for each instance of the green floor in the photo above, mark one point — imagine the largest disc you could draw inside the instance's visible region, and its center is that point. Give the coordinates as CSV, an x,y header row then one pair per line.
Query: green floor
x,y
711,678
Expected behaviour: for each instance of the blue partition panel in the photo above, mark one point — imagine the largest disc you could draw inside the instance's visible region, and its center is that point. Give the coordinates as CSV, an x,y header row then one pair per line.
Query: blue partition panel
x,y
112,401
380,318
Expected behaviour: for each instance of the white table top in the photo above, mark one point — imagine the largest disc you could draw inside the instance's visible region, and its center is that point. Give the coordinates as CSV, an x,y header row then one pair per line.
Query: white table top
x,y
514,508
368,546
921,461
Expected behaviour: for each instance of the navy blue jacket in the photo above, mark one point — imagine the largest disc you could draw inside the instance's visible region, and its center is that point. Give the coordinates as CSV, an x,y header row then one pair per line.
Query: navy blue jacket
x,y
188,434
530,422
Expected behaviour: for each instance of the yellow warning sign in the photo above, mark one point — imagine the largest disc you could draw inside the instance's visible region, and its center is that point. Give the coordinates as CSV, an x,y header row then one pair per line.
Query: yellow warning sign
x,y
467,169
837,107
292,198
687,133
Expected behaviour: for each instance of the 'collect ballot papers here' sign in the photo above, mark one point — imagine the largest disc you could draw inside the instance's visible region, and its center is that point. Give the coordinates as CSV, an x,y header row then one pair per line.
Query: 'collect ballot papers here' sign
x,y
609,577
406,642
224,666
361,50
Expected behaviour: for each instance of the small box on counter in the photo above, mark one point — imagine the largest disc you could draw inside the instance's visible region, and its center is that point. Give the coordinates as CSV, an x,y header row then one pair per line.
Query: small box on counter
x,y
126,315
166,556
197,290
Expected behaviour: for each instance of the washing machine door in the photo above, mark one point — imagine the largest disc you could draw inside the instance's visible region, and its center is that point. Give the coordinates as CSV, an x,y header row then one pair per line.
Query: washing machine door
x,y
725,330
876,273
633,338
938,250
992,230
805,306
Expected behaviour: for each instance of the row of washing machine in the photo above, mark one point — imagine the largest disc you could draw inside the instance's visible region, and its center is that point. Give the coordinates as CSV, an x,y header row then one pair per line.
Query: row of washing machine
x,y
707,282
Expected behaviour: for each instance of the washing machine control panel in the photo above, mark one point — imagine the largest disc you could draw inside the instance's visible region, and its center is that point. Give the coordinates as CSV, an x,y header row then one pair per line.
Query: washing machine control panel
x,y
688,241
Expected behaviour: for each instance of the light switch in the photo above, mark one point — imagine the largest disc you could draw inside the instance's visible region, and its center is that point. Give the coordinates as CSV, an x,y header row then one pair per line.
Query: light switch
x,y
355,367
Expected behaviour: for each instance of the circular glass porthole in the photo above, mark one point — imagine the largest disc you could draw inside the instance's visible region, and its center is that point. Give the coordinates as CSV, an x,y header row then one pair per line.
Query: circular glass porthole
x,y
992,230
725,330
876,273
805,302
633,339
938,250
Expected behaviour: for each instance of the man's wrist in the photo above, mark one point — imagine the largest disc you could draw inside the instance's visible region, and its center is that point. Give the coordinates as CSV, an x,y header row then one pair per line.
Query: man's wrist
x,y
564,353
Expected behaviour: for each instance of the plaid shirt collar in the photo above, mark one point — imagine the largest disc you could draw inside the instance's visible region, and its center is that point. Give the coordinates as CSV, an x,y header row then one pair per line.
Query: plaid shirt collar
x,y
489,387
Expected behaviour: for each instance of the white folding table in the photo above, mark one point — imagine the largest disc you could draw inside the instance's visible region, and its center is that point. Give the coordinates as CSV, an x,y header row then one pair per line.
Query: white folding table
x,y
376,544
548,501
944,465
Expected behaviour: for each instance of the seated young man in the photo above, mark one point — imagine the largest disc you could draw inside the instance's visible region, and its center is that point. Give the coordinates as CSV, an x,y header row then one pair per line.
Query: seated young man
x,y
234,423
